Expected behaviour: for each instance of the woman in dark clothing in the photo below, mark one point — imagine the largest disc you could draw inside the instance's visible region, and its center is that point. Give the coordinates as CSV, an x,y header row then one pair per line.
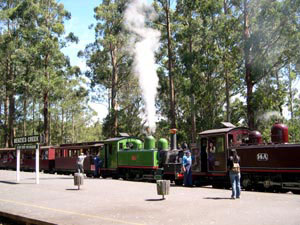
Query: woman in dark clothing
x,y
211,150
234,174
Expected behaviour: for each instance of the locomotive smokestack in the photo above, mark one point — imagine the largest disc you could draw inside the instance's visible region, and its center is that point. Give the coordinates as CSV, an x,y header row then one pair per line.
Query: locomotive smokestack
x,y
173,139
148,131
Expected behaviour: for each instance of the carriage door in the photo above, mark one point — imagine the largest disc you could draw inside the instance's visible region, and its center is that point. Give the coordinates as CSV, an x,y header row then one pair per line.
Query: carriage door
x,y
106,155
216,159
203,146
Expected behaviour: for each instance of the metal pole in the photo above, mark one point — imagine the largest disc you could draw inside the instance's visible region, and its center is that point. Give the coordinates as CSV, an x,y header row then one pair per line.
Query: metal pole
x,y
37,164
18,165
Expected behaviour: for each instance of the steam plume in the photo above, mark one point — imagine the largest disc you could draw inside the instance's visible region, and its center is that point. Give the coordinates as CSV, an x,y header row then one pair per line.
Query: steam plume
x,y
268,115
146,42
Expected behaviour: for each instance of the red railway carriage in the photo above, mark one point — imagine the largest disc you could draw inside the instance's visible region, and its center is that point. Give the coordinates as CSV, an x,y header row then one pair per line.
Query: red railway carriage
x,y
46,155
7,158
66,156
274,166
27,159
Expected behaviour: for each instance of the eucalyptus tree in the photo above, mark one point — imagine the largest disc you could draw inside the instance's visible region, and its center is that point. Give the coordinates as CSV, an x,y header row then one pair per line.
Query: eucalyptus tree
x,y
187,16
165,22
270,39
50,29
107,58
8,46
207,33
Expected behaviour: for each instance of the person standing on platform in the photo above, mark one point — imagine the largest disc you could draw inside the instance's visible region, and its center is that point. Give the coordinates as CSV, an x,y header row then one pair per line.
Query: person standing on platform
x,y
187,168
211,150
234,174
80,161
97,165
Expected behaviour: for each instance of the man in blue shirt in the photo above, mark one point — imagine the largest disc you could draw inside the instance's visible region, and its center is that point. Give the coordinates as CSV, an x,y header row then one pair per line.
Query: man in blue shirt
x,y
97,163
187,167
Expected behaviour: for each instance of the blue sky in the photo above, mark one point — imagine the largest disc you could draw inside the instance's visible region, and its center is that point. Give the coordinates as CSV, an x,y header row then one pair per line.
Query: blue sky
x,y
82,15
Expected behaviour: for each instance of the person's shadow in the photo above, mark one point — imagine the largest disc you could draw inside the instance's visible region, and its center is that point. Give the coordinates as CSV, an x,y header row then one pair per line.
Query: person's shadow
x,y
217,198
155,199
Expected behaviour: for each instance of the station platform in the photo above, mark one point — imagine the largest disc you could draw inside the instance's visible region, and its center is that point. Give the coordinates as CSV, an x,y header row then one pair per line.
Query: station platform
x,y
55,200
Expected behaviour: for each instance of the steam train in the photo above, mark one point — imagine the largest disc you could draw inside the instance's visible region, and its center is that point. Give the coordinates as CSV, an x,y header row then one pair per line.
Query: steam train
x,y
271,166
53,159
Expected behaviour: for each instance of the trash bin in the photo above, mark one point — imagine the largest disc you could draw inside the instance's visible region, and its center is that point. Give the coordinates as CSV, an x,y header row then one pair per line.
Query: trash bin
x,y
78,179
163,187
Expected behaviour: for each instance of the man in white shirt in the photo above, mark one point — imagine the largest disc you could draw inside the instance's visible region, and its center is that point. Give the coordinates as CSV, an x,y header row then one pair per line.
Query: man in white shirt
x,y
80,161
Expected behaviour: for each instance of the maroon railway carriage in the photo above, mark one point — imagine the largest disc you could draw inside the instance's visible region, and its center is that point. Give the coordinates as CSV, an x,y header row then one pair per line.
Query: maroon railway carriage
x,y
27,159
7,158
46,154
66,157
272,166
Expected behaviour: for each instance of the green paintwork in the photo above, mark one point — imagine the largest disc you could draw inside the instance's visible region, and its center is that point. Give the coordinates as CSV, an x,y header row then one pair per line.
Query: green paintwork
x,y
137,144
139,158
128,152
150,143
162,144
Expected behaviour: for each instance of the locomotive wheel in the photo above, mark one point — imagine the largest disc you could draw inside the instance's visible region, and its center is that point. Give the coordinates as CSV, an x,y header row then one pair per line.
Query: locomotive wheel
x,y
115,177
179,182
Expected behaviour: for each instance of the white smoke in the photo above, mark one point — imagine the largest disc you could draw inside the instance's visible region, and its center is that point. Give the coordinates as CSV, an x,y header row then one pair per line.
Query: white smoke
x,y
268,115
146,42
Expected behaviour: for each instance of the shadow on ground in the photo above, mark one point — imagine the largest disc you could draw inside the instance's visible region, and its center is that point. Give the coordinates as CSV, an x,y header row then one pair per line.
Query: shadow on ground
x,y
217,198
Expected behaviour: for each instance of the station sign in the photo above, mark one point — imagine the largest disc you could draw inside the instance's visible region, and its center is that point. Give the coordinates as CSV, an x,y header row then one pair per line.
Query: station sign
x,y
28,139
26,147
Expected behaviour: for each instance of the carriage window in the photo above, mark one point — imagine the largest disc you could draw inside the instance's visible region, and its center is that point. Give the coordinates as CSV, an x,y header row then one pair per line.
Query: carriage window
x,y
220,144
110,147
57,153
230,139
239,139
121,146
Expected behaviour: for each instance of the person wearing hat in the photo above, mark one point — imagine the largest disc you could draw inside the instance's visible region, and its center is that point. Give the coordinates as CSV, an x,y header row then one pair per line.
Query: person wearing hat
x,y
187,168
234,173
80,161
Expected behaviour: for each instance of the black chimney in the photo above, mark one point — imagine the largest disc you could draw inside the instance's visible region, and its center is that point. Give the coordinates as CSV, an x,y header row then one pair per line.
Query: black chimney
x,y
173,139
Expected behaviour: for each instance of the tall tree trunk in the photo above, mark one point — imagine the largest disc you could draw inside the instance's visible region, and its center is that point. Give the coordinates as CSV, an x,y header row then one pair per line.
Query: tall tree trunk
x,y
192,97
46,104
291,96
62,124
6,105
170,67
278,97
227,92
10,98
11,117
33,114
24,113
11,120
227,89
73,127
49,128
248,67
114,109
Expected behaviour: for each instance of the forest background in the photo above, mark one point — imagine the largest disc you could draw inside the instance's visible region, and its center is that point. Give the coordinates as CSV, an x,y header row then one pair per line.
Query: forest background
x,y
218,60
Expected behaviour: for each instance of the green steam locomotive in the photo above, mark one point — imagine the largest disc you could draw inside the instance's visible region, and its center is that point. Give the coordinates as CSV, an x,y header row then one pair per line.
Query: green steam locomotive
x,y
130,158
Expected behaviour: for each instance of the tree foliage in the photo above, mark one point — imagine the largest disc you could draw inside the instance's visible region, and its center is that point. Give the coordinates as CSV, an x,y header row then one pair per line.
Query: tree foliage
x,y
219,60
